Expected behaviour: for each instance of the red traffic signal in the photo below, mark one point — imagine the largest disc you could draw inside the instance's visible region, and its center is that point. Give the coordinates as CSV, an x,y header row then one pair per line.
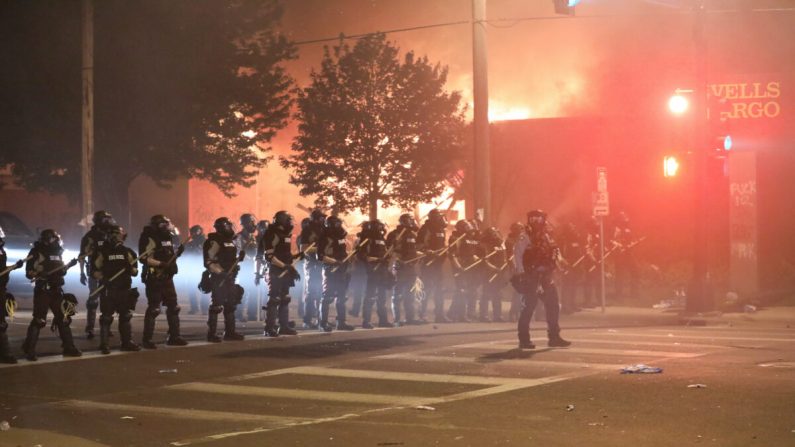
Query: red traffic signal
x,y
565,7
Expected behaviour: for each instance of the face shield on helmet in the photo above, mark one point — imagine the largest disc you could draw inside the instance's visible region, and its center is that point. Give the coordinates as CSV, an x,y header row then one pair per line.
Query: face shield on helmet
x,y
196,231
407,220
161,224
463,226
50,238
224,226
103,219
493,235
317,217
262,226
536,219
248,222
284,220
117,235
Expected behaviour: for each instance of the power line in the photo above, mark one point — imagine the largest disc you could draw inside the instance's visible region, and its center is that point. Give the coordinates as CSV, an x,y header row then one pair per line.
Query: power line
x,y
397,30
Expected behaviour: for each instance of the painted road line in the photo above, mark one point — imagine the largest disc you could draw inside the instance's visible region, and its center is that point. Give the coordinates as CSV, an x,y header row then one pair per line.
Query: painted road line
x,y
506,386
674,336
179,413
506,362
375,375
577,350
292,393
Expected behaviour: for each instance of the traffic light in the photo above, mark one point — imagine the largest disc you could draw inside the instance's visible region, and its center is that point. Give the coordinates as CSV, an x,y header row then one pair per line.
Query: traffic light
x,y
670,166
678,104
565,7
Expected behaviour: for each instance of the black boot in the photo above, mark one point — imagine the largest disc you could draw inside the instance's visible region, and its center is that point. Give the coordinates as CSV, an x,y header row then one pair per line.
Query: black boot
x,y
284,319
5,350
91,316
324,311
104,328
29,346
555,341
230,333
125,330
212,327
69,348
526,344
271,311
174,339
149,329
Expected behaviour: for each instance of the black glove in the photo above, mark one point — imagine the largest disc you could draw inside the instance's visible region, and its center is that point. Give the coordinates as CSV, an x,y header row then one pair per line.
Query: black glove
x,y
19,264
241,256
294,272
180,250
71,263
83,279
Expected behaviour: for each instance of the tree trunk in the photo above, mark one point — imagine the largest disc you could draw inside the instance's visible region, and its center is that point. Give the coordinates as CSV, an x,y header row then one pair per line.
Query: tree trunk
x,y
373,206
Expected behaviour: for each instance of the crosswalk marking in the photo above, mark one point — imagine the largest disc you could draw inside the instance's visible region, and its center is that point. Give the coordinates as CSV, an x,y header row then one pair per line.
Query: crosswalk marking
x,y
578,350
292,393
680,336
181,413
503,362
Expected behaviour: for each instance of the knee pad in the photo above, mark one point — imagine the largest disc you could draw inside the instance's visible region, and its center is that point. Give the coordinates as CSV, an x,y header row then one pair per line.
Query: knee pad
x,y
105,319
215,309
153,311
40,322
286,299
273,302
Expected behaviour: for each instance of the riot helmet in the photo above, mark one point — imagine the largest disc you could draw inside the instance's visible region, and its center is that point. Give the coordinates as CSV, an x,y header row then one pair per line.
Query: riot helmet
x,y
50,239
305,223
516,228
262,226
407,221
161,224
317,216
117,235
379,227
284,220
103,219
492,235
333,222
463,226
224,227
196,231
437,218
536,219
248,222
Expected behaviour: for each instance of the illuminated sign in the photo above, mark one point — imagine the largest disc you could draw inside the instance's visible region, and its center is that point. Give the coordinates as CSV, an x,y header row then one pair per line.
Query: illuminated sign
x,y
749,100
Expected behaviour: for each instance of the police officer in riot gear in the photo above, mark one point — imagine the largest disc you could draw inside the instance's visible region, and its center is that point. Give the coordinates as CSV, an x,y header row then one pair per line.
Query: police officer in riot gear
x,y
275,248
571,249
493,264
114,268
90,245
313,266
193,252
260,266
46,268
402,241
463,253
159,261
431,239
373,252
246,240
535,258
7,301
626,265
222,260
333,251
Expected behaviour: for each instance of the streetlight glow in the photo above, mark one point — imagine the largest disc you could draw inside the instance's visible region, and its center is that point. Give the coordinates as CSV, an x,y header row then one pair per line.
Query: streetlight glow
x,y
678,104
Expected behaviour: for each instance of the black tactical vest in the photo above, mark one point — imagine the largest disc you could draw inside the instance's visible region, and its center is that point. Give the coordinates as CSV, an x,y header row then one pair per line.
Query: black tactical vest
x,y
431,236
48,259
115,259
227,251
540,252
92,241
376,247
3,262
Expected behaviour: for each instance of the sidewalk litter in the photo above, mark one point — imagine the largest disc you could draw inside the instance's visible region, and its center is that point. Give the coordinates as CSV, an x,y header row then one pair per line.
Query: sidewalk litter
x,y
640,368
696,385
424,407
168,371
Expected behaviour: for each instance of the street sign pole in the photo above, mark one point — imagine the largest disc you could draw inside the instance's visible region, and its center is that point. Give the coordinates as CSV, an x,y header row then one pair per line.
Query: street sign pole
x,y
602,259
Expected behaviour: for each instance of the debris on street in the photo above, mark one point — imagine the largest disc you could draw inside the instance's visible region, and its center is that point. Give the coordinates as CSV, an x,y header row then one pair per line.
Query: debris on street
x,y
640,368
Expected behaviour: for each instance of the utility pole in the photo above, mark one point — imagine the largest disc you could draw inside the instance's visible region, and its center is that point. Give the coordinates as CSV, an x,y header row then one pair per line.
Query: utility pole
x,y
699,298
480,92
87,159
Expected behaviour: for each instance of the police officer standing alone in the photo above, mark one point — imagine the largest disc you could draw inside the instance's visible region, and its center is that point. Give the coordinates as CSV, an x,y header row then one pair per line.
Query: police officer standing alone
x,y
535,259
275,248
46,268
90,245
222,260
114,268
334,253
160,266
431,239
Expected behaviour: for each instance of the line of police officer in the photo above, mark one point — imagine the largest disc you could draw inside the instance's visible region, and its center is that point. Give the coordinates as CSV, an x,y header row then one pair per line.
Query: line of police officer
x,y
408,259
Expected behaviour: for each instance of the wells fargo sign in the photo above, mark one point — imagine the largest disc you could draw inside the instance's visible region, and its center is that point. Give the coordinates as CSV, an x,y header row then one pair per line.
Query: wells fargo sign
x,y
749,100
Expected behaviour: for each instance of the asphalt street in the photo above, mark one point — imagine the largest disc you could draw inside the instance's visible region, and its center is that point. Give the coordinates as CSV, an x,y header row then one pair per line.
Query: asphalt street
x,y
427,385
